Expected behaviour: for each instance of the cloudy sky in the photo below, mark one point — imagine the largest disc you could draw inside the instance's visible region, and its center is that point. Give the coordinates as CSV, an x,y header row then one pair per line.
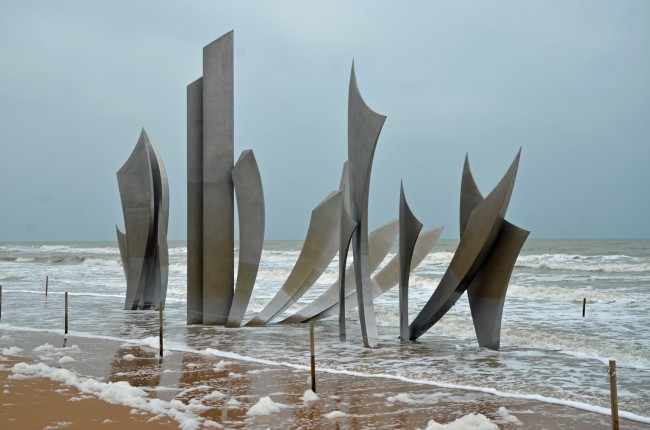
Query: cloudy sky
x,y
567,81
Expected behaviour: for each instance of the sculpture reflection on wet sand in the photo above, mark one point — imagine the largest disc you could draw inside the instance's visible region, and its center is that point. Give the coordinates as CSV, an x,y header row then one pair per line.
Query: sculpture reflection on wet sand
x,y
484,259
211,180
144,192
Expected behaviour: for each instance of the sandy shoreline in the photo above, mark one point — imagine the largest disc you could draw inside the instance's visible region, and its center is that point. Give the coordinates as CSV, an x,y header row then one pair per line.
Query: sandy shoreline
x,y
218,392
39,403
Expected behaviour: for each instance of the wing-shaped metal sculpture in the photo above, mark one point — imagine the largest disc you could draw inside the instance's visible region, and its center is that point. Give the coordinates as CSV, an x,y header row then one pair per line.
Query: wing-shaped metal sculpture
x,y
144,192
487,291
250,206
347,229
388,276
318,251
409,229
470,196
380,242
364,126
477,240
124,256
161,224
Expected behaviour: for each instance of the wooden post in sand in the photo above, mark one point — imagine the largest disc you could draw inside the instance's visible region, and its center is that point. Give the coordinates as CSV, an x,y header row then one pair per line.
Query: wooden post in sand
x,y
0,301
66,313
313,356
584,306
46,282
160,317
613,393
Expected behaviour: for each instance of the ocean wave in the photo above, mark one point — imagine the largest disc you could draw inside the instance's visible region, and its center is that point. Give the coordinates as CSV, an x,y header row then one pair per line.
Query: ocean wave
x,y
76,249
180,266
438,258
60,293
24,259
53,247
585,263
275,256
102,261
576,345
178,251
555,293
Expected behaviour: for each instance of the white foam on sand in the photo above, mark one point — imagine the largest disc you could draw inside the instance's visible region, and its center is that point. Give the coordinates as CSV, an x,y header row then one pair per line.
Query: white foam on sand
x,y
401,397
120,392
507,417
335,414
233,402
265,406
214,395
153,342
468,422
309,396
12,350
58,425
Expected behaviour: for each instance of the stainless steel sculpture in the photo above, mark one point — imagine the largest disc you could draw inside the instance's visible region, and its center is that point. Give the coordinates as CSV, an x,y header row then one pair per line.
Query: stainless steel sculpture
x,y
347,228
380,242
250,206
364,126
195,202
218,199
388,277
482,264
482,222
144,192
318,251
409,229
487,291
210,208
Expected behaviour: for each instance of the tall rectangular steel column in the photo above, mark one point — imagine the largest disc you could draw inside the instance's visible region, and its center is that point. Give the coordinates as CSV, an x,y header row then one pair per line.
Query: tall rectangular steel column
x,y
218,198
195,202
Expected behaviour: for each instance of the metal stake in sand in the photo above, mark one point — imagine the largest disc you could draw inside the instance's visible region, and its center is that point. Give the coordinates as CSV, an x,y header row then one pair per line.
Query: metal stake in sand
x,y
584,305
46,284
66,313
313,356
160,315
613,393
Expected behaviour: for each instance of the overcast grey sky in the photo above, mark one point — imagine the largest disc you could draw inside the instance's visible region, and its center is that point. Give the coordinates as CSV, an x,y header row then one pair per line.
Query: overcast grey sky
x,y
568,81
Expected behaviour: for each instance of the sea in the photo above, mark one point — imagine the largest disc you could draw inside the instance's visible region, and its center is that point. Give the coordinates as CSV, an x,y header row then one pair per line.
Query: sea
x,y
550,351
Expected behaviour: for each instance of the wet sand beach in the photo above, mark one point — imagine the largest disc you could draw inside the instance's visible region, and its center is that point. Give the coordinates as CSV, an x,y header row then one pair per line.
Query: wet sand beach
x,y
39,403
190,390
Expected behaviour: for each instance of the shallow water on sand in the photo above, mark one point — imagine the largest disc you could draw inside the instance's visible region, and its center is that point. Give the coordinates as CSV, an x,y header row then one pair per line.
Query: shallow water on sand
x,y
213,388
548,350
